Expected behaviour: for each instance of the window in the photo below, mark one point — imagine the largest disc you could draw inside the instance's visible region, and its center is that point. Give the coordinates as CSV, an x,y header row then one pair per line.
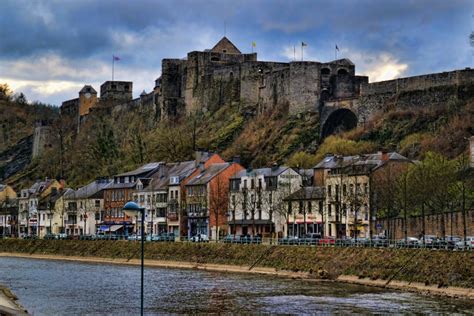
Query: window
x,y
252,184
325,71
245,184
342,71
233,201
366,188
329,209
358,191
301,207
234,184
344,189
329,191
309,207
259,183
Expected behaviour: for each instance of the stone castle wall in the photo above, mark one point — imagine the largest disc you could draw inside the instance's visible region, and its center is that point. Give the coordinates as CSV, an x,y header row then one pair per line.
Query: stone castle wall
x,y
453,225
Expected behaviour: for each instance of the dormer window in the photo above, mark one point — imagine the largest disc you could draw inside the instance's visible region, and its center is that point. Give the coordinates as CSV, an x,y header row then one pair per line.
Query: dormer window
x,y
174,180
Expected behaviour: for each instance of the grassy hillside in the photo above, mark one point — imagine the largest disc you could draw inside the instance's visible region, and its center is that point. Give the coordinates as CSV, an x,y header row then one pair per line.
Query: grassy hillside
x,y
111,144
18,117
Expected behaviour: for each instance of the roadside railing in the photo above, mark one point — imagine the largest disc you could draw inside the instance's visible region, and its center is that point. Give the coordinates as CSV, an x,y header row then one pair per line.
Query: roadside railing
x,y
437,244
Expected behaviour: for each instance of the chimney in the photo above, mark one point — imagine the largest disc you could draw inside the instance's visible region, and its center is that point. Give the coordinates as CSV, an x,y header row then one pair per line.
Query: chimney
x,y
275,166
471,151
383,155
200,156
236,159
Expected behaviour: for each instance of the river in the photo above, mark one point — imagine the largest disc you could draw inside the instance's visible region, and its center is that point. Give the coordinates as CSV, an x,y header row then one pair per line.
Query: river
x,y
47,287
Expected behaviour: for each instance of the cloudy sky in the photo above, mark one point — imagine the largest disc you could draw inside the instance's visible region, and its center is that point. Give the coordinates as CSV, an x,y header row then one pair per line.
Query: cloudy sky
x,y
50,49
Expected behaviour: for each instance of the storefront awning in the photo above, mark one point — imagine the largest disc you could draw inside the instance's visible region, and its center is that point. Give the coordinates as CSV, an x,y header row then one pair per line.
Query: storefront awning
x,y
111,228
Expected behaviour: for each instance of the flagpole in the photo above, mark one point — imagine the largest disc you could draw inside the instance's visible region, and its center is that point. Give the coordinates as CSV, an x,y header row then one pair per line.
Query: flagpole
x,y
113,64
302,51
335,52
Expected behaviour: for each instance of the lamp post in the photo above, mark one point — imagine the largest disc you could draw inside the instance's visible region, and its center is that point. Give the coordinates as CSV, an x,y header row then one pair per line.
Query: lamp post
x,y
132,209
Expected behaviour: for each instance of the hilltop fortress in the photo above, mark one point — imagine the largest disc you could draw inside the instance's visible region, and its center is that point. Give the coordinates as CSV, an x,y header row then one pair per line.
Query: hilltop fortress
x,y
209,79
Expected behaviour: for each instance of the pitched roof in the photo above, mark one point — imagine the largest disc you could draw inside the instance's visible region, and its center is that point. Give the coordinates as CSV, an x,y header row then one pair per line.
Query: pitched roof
x,y
266,172
306,193
375,160
227,45
143,170
87,88
209,173
88,190
160,179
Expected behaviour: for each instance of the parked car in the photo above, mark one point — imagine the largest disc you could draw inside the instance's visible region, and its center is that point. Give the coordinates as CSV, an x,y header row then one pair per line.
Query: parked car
x,y
327,241
310,239
167,237
50,237
344,241
133,237
288,240
379,241
199,238
469,245
248,239
230,239
410,242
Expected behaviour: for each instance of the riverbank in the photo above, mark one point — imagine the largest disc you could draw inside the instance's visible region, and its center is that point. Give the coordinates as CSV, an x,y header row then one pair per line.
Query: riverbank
x,y
8,303
425,271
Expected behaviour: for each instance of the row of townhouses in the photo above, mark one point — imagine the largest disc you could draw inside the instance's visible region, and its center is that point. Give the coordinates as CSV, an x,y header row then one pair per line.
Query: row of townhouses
x,y
209,196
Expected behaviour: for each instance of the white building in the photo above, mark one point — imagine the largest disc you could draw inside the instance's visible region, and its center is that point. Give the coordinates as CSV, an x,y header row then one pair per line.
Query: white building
x,y
256,200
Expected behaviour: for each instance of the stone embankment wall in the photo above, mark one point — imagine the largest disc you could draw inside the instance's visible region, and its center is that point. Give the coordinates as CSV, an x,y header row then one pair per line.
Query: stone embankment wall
x,y
435,224
440,268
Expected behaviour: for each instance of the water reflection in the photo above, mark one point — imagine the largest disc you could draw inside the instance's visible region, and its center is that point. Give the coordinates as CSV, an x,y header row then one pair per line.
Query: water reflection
x,y
59,288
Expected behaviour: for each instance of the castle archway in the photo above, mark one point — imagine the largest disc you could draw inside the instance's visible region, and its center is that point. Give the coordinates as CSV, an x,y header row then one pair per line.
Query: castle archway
x,y
340,120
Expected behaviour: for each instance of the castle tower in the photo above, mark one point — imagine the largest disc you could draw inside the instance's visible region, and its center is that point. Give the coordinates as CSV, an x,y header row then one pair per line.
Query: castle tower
x,y
225,46
120,91
41,138
87,99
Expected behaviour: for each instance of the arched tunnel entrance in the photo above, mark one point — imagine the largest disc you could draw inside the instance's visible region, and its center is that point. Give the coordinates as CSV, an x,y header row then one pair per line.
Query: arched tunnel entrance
x,y
339,121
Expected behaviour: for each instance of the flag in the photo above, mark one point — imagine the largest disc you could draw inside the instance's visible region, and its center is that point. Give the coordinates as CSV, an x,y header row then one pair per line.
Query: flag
x,y
116,57
303,44
254,44
337,48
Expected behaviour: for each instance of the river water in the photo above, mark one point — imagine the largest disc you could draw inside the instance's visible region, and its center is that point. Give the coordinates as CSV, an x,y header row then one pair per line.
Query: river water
x,y
66,288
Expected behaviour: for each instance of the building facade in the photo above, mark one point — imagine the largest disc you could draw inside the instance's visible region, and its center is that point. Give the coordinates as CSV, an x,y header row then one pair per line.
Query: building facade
x,y
207,199
256,200
349,184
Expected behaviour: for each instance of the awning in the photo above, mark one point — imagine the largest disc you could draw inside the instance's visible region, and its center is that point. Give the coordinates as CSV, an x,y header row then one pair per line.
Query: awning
x,y
250,222
111,228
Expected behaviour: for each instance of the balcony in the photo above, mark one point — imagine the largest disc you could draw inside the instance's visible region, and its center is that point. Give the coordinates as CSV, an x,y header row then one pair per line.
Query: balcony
x,y
201,213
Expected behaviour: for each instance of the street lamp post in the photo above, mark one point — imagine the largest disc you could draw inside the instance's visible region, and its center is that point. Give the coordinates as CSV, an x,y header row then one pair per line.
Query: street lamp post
x,y
131,209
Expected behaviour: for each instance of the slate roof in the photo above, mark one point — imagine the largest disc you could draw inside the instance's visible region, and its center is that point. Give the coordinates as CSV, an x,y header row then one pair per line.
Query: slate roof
x,y
160,179
88,88
306,193
88,190
207,174
182,169
266,172
371,160
143,170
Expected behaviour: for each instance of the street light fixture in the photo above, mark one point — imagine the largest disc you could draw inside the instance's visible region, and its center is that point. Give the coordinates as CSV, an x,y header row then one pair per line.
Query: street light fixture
x,y
132,209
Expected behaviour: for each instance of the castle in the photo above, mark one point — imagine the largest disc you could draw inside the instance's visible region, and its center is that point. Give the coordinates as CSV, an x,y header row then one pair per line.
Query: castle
x,y
206,80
